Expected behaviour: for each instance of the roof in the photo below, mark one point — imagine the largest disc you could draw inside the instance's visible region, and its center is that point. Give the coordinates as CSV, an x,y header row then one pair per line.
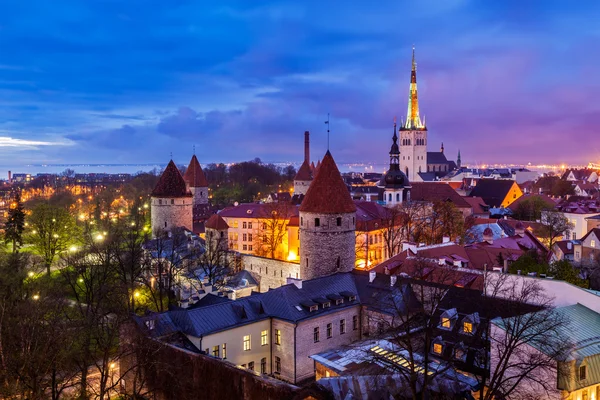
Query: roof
x,y
328,194
171,183
216,222
547,200
304,173
579,205
437,191
564,245
259,210
194,176
595,231
492,191
436,157
478,204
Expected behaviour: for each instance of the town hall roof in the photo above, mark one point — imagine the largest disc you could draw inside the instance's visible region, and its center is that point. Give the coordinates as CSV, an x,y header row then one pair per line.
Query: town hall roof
x,y
328,194
194,176
171,183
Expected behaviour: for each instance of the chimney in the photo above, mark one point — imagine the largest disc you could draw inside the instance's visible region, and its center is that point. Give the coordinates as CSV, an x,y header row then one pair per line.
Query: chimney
x,y
393,279
372,275
297,282
307,147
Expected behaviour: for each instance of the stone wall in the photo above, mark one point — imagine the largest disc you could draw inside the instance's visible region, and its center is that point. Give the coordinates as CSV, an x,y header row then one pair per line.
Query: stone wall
x,y
200,195
284,350
169,213
327,248
272,273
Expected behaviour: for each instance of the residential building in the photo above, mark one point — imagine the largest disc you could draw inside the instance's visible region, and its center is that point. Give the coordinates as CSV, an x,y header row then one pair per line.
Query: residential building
x,y
578,211
497,192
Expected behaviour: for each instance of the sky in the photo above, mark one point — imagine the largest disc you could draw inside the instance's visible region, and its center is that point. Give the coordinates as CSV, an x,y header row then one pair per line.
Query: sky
x,y
136,81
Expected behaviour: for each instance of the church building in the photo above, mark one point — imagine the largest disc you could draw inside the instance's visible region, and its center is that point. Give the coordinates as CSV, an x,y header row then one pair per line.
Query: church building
x,y
416,162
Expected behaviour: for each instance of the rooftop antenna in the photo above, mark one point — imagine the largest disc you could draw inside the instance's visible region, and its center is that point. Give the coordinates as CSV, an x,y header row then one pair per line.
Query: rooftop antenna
x,y
327,122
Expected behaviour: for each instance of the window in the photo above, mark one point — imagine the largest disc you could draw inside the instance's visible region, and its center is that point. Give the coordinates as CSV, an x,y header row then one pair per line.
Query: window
x,y
354,322
263,338
224,350
277,336
459,353
317,222
249,247
263,365
243,365
316,334
593,243
468,327
339,301
342,326
244,225
244,237
313,308
244,247
160,202
338,221
215,351
582,373
251,365
236,223
326,305
351,298
249,225
277,364
446,323
329,331
172,201
249,237
437,348
247,343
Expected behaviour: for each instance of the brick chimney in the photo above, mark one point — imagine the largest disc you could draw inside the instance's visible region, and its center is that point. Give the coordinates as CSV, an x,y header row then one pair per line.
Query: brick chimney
x,y
307,147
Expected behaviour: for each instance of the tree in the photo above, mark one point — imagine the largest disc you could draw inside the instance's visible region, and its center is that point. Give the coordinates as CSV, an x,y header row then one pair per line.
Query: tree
x,y
53,229
451,221
563,270
272,229
554,226
530,209
15,224
215,262
526,342
396,226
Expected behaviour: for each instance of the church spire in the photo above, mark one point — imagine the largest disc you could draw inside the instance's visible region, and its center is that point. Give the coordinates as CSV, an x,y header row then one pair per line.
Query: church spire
x,y
458,159
413,120
394,150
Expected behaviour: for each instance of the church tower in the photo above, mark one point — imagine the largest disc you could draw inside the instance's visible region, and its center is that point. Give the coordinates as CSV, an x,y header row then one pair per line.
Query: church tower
x,y
327,224
395,183
413,133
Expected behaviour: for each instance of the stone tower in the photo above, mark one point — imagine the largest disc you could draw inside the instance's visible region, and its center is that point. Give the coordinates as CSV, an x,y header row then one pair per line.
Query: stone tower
x,y
171,202
217,232
396,187
413,133
196,182
327,224
304,175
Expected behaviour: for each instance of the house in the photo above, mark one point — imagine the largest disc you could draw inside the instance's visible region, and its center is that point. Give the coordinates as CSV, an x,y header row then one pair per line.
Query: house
x,y
480,209
564,250
430,192
587,189
577,375
580,175
578,211
587,249
497,192
529,206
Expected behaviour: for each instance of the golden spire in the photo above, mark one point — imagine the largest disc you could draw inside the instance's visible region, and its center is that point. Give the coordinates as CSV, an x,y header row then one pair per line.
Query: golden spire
x,y
413,120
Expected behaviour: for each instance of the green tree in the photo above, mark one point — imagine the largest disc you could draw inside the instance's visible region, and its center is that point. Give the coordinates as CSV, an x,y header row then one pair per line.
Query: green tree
x,y
53,229
564,271
530,209
15,224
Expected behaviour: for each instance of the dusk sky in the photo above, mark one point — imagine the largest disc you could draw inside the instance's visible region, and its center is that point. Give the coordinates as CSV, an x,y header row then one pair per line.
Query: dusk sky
x,y
132,81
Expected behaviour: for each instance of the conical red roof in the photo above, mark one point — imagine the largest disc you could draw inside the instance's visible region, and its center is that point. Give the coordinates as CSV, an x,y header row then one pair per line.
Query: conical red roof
x,y
216,222
304,173
328,194
194,176
171,183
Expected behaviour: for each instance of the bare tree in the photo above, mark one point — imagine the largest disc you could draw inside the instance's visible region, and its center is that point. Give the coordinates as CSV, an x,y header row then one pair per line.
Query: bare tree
x,y
554,226
215,262
272,230
396,226
526,343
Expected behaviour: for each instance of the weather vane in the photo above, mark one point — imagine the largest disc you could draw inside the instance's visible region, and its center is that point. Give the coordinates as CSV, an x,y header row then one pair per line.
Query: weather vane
x,y
327,122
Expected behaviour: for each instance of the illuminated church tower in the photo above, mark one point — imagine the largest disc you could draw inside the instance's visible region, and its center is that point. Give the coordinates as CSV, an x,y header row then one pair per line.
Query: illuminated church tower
x,y
413,134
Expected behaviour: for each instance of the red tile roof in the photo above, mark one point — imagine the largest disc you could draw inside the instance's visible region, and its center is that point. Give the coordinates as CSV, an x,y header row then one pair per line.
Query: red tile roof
x,y
216,222
194,176
259,210
436,191
303,173
328,194
171,183
477,203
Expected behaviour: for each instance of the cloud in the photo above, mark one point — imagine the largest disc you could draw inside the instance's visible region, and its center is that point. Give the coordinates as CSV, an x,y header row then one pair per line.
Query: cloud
x,y
6,141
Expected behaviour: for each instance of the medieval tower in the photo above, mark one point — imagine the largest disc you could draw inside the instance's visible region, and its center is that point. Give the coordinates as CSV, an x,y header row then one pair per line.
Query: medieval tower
x,y
327,224
196,182
171,202
413,133
304,177
396,187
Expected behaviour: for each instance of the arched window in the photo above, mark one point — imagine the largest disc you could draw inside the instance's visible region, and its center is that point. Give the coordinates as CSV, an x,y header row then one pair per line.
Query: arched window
x,y
397,197
390,197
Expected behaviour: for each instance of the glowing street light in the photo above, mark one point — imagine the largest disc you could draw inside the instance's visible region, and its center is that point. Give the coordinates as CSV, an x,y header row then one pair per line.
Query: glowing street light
x,y
30,274
73,248
99,237
36,297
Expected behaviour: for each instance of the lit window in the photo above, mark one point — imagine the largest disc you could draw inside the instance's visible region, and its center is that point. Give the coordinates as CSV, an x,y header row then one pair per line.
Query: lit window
x,y
224,350
342,326
247,343
316,334
467,327
582,373
277,336
437,348
263,338
215,351
327,374
593,243
445,322
326,305
329,331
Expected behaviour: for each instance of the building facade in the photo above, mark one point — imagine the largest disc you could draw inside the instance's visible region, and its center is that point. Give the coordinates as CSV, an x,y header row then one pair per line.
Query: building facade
x,y
171,202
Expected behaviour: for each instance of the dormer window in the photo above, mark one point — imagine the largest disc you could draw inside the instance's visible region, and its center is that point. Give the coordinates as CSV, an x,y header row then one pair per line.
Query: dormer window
x,y
313,308
326,305
446,323
582,373
460,353
469,324
339,301
438,348
351,298
150,324
468,328
448,319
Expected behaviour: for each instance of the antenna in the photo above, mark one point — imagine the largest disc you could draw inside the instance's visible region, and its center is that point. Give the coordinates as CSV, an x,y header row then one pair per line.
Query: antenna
x,y
327,122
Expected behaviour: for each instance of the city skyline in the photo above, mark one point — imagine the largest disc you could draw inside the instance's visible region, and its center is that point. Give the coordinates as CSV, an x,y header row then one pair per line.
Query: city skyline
x,y
119,83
